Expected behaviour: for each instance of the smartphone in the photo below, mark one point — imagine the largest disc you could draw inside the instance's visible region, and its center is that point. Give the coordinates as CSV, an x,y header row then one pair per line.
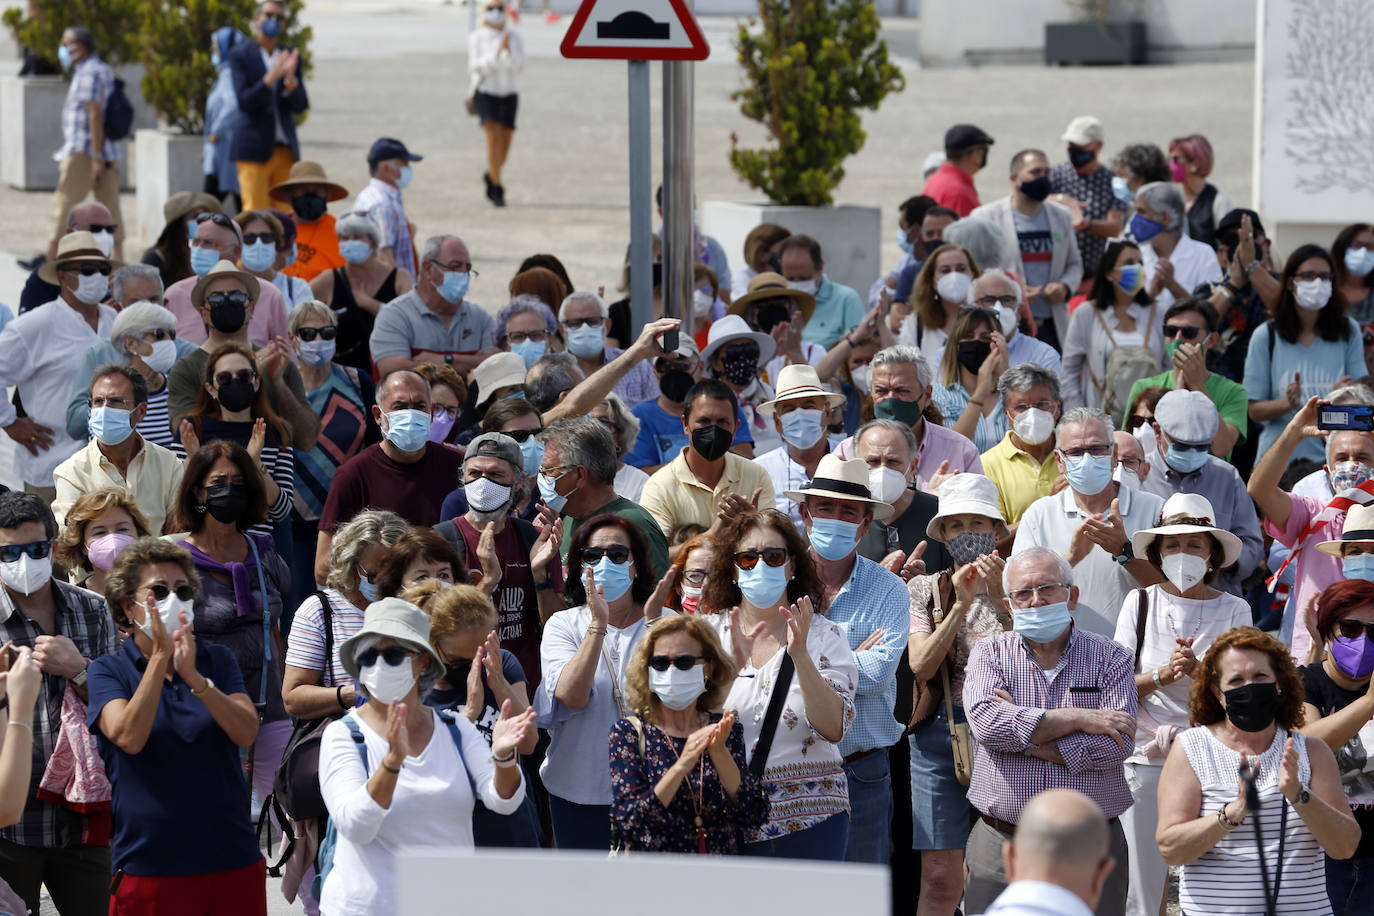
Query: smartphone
x,y
670,341
1358,417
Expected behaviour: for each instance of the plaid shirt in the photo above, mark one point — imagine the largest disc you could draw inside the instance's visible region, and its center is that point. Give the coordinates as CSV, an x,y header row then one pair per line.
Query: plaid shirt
x,y
873,599
1093,673
384,204
81,617
92,81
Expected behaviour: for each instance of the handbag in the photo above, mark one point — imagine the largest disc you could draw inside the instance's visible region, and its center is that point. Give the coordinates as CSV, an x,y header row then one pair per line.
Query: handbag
x,y
297,784
926,697
960,735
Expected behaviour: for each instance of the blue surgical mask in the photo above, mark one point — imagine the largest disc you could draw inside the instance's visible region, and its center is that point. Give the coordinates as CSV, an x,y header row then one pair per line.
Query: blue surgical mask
x,y
1132,279
530,351
368,589
406,177
1185,461
202,259
1359,261
531,453
271,27
215,59
588,341
408,430
454,287
1121,189
290,258
802,427
1088,474
903,244
190,228
109,425
1045,623
763,586
64,56
551,497
613,579
833,539
1144,229
355,251
259,255
317,352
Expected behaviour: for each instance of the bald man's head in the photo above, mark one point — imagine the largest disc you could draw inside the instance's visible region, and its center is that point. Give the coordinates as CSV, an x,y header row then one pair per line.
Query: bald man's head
x,y
1062,838
87,214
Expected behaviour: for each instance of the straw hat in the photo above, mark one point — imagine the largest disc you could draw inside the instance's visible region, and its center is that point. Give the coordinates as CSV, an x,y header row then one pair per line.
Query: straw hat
x,y
73,248
1359,529
219,271
769,285
307,173
796,383
1184,506
183,202
966,494
840,479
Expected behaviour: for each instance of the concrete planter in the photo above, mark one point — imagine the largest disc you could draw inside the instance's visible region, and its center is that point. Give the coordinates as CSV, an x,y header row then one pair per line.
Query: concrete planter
x,y
850,236
167,163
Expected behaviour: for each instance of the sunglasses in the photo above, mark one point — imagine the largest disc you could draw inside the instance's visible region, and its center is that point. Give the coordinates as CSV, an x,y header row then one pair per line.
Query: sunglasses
x,y
668,365
88,270
36,550
308,334
160,334
243,375
1349,629
520,435
749,350
773,556
219,219
234,298
1136,419
617,553
392,655
1181,330
571,323
1184,447
183,592
680,662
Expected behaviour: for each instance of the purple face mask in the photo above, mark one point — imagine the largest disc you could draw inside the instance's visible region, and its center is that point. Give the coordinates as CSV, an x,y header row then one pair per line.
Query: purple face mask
x,y
1355,657
441,426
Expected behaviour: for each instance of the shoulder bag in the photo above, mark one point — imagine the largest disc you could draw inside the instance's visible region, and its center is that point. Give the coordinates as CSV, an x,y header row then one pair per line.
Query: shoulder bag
x,y
926,697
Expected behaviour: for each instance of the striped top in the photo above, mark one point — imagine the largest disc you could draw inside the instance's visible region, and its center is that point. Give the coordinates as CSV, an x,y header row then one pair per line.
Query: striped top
x,y
157,427
305,644
277,458
1226,879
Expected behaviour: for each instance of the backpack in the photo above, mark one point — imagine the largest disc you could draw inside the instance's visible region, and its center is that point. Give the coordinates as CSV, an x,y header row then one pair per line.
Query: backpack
x,y
1125,367
119,113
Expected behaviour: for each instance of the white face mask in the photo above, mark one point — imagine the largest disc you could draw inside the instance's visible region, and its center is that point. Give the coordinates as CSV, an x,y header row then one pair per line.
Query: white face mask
x,y
388,683
496,17
26,575
805,286
860,376
678,689
91,290
953,287
1034,426
886,484
169,609
701,303
1007,317
1312,294
163,357
1183,569
104,240
486,495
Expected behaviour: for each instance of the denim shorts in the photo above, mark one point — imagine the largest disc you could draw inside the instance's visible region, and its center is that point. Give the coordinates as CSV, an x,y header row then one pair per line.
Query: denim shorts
x,y
941,815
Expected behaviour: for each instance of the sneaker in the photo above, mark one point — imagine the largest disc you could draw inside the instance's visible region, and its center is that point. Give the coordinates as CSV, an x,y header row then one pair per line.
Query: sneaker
x,y
500,197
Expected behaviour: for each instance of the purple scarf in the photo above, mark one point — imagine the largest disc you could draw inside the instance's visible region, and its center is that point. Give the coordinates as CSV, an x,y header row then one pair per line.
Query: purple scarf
x,y
242,575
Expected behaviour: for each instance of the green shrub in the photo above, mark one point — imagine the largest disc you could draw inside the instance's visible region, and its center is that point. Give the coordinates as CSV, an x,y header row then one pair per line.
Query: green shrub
x,y
808,71
115,42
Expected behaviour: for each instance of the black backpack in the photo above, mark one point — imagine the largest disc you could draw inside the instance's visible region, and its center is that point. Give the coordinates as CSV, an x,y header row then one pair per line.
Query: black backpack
x,y
119,113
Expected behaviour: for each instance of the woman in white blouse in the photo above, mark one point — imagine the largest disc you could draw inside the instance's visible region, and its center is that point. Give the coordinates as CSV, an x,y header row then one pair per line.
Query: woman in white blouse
x,y
396,773
940,289
1118,313
765,574
1168,627
496,55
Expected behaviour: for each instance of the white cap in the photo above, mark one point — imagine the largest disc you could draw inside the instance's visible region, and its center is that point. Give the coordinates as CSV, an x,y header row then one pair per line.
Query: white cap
x,y
1186,416
1083,130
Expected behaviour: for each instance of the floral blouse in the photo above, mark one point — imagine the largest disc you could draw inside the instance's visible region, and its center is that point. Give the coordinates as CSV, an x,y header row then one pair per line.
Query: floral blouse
x,y
640,822
981,621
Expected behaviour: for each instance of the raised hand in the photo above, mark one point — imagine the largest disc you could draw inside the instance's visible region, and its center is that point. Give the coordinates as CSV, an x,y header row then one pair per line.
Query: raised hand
x,y
162,640
914,565
491,663
968,584
596,602
1289,783
1293,393
58,655
545,549
1182,661
697,742
646,345
510,731
1108,533
258,439
942,473
184,652
189,440
397,736
722,734
742,643
1305,420
653,607
472,706
798,619
486,558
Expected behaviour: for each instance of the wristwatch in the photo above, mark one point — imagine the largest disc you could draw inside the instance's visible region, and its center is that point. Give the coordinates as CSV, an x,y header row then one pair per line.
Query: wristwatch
x,y
209,685
1126,555
448,359
79,680
1304,797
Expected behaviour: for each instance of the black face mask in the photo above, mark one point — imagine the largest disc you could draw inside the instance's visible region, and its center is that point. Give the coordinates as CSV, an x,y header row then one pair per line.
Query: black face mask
x,y
711,442
1080,157
674,385
1037,189
226,502
228,317
972,353
740,369
770,316
1252,707
309,207
658,275
236,395
456,672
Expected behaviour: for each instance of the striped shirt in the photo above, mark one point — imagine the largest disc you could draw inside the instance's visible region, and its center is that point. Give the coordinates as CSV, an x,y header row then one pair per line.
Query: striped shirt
x,y
278,459
1226,878
953,398
305,644
873,599
156,425
92,81
1093,673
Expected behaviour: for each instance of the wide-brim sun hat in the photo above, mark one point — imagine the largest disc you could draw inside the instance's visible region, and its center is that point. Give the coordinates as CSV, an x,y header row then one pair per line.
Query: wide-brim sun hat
x,y
1359,529
183,202
840,479
74,248
966,494
307,172
221,270
392,617
797,383
770,285
733,327
1191,506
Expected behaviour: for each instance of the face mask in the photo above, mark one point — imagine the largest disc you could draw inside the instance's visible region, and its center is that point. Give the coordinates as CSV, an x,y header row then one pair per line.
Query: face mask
x,y
236,395
903,243
64,57
551,497
494,18
905,412
454,286
1006,317
169,609
104,240
531,453
969,546
691,599
271,27
1088,474
1132,279
355,251
1252,707
486,495
612,578
1080,157
1045,623
972,353
1358,566
309,207
290,258
91,290
886,484
109,425
215,59
404,179
711,442
832,538
953,287
860,376
1121,189
678,689
317,352
740,369
805,286
385,683
1310,294
1034,426
1037,189
802,427
1185,461
1348,475
105,548
259,255
1183,569
456,672
701,303
368,589
1178,171
588,341
1355,657
228,317
1359,261
1142,229
674,385
190,228
26,575
441,425
530,351
226,502
408,430
764,585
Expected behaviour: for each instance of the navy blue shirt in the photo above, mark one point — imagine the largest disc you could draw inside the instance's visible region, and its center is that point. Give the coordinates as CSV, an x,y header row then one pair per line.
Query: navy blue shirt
x,y
457,695
180,805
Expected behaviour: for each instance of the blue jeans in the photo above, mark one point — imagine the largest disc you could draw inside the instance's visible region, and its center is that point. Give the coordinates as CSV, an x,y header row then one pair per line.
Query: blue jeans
x,y
580,826
825,841
1350,885
870,809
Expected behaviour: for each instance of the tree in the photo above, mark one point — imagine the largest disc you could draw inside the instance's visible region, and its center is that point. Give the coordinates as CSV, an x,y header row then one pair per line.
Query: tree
x,y
41,31
808,71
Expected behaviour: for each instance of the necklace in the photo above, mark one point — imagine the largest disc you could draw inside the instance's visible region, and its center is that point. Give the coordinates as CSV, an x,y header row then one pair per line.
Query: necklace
x,y
697,797
1173,626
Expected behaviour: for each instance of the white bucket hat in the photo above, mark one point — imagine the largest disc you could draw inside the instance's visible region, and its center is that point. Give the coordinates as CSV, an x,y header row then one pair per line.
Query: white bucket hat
x,y
401,620
1188,506
733,327
840,479
966,494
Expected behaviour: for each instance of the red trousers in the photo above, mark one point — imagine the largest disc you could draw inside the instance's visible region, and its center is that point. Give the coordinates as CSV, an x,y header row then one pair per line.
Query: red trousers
x,y
241,892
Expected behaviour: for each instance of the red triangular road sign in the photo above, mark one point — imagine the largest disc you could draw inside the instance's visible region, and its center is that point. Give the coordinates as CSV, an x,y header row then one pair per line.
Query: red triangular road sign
x,y
635,30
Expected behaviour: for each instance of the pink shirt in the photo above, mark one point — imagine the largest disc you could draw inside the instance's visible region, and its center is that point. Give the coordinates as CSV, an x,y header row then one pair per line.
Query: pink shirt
x,y
268,321
1314,570
939,444
952,187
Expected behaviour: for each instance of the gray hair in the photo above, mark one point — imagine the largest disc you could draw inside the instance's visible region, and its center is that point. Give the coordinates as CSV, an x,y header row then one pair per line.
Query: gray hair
x,y
138,319
520,305
358,222
993,273
893,426
432,246
980,237
583,296
626,424
550,376
1037,553
1076,415
366,529
424,683
1351,394
309,308
134,272
1025,376
905,354
84,37
583,443
1164,199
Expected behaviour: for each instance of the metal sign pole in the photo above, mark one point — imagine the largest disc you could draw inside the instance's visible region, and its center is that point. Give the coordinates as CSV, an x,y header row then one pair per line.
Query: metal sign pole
x,y
678,199
641,200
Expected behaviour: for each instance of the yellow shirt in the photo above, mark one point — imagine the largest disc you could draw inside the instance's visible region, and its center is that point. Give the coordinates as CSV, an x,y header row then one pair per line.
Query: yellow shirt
x,y
154,477
1020,481
674,496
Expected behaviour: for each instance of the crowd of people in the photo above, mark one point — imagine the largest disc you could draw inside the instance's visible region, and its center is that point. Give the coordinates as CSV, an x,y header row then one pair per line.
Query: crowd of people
x,y
1046,561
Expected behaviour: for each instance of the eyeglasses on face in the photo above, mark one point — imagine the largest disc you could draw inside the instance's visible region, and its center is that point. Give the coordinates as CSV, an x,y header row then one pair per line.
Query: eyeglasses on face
x,y
772,556
392,655
308,334
1307,276
159,334
582,322
1351,629
1136,419
87,270
1050,591
183,592
520,435
250,238
517,337
1097,451
618,554
230,298
1130,464
694,576
1047,406
36,550
1187,332
1186,447
242,375
460,268
680,662
116,403
989,302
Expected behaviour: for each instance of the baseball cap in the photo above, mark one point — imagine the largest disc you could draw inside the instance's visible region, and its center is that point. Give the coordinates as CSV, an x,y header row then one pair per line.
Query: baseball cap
x,y
390,148
495,445
1083,130
964,136
1188,417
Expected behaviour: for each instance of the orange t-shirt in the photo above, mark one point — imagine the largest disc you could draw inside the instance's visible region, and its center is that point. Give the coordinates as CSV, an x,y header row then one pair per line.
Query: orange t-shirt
x,y
317,249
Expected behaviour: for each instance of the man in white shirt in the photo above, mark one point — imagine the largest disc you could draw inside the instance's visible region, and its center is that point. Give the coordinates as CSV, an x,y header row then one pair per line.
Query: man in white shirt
x,y
996,290
1175,264
801,413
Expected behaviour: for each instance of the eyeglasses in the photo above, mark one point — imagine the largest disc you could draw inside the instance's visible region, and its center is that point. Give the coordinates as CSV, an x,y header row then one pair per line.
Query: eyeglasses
x,y
773,556
665,365
571,323
1047,406
694,576
989,313
36,550
1136,419
520,435
159,334
680,662
516,337
618,554
392,655
1047,592
87,270
1130,464
1349,629
308,334
459,268
233,298
1185,447
116,403
97,227
1308,276
250,238
243,375
1187,332
1097,451
988,302
183,592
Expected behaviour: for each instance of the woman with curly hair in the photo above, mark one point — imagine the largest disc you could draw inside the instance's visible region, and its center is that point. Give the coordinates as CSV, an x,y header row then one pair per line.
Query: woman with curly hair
x,y
97,528
1246,701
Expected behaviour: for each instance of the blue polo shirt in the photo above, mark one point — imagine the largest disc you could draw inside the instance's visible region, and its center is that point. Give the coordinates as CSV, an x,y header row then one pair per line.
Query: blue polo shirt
x,y
180,805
